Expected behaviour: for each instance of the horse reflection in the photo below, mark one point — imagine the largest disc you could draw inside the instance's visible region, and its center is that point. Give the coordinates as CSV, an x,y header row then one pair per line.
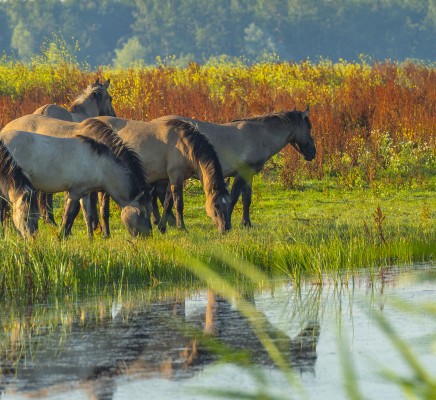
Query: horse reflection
x,y
158,340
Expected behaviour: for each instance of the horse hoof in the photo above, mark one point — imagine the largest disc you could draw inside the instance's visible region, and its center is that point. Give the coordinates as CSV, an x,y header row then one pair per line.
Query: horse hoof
x,y
162,229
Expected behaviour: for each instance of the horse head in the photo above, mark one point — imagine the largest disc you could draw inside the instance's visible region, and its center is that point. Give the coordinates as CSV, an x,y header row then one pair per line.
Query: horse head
x,y
218,209
25,213
302,139
136,216
105,100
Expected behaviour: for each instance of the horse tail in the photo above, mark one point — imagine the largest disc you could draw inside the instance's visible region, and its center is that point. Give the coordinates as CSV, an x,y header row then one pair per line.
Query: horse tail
x,y
11,172
97,133
202,155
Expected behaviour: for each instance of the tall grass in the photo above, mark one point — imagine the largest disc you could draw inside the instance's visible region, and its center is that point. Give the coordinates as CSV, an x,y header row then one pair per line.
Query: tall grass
x,y
310,235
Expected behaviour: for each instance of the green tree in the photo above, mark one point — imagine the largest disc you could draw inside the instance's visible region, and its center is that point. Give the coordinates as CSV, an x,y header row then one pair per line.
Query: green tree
x,y
131,52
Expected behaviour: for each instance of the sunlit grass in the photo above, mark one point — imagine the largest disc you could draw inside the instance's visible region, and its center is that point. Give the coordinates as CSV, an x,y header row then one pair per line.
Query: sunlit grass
x,y
297,234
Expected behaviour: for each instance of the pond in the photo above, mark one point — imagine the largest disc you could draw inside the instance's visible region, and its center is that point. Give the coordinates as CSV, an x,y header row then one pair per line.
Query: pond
x,y
153,344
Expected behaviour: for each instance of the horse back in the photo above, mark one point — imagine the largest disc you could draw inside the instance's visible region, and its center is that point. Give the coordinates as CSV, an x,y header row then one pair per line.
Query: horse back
x,y
54,111
38,123
52,164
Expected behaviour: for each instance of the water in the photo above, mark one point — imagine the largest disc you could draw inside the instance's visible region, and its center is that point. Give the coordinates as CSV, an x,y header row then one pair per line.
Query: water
x,y
147,345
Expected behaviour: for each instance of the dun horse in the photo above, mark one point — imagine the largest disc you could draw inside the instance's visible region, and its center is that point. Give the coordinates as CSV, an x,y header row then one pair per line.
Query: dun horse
x,y
169,150
245,145
82,164
94,101
175,150
15,188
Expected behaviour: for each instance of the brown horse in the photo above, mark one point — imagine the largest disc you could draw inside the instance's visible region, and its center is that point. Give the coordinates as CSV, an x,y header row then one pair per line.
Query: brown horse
x,y
245,145
98,159
16,188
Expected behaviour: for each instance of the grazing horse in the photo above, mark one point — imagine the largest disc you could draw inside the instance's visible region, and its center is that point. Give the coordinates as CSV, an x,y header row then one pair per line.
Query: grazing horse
x,y
245,145
169,150
95,159
175,150
94,101
16,188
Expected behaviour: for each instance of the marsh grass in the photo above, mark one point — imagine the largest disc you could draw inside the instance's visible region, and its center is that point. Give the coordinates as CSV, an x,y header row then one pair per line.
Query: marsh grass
x,y
298,234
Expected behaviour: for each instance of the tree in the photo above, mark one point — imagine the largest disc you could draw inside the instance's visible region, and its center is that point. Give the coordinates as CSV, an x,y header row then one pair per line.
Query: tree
x,y
131,52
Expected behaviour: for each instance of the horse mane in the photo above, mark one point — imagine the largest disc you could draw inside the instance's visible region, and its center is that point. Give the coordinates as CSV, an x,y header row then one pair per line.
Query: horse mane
x,y
289,117
44,110
103,139
202,154
11,172
95,89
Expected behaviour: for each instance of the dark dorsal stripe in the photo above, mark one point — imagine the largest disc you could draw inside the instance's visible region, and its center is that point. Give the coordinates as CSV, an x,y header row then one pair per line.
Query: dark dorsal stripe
x,y
11,172
103,134
203,153
289,117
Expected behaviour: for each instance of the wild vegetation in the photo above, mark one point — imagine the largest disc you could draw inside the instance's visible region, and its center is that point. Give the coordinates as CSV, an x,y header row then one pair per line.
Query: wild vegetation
x,y
366,200
373,124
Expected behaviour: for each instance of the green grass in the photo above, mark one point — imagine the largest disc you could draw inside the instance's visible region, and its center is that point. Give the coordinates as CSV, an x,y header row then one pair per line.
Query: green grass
x,y
306,233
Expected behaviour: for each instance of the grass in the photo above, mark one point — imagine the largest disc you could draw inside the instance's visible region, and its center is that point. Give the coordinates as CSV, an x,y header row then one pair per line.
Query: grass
x,y
299,234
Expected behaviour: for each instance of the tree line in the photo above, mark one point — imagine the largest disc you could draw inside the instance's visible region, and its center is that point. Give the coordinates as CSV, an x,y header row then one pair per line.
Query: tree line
x,y
119,32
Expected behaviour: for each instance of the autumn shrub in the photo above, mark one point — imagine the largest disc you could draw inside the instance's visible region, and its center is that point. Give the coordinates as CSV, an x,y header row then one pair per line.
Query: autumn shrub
x,y
372,123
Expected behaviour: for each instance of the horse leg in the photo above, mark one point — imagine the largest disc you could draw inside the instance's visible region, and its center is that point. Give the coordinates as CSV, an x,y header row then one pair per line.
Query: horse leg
x,y
104,213
155,207
246,203
168,203
240,185
95,223
177,193
164,190
85,203
45,206
160,191
71,209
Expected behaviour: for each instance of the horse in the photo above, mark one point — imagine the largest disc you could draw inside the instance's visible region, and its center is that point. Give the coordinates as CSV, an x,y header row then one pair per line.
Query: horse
x,y
94,101
94,158
171,150
16,188
244,146
175,150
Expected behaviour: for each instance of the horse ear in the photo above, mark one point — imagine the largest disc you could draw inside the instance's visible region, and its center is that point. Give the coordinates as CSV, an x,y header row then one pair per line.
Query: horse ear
x,y
97,82
106,84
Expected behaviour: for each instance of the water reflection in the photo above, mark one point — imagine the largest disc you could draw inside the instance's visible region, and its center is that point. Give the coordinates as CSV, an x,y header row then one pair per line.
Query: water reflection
x,y
109,346
48,350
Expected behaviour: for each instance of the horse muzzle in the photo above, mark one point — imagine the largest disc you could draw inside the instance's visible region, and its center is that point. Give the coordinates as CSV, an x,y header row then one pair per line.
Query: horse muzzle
x,y
308,150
